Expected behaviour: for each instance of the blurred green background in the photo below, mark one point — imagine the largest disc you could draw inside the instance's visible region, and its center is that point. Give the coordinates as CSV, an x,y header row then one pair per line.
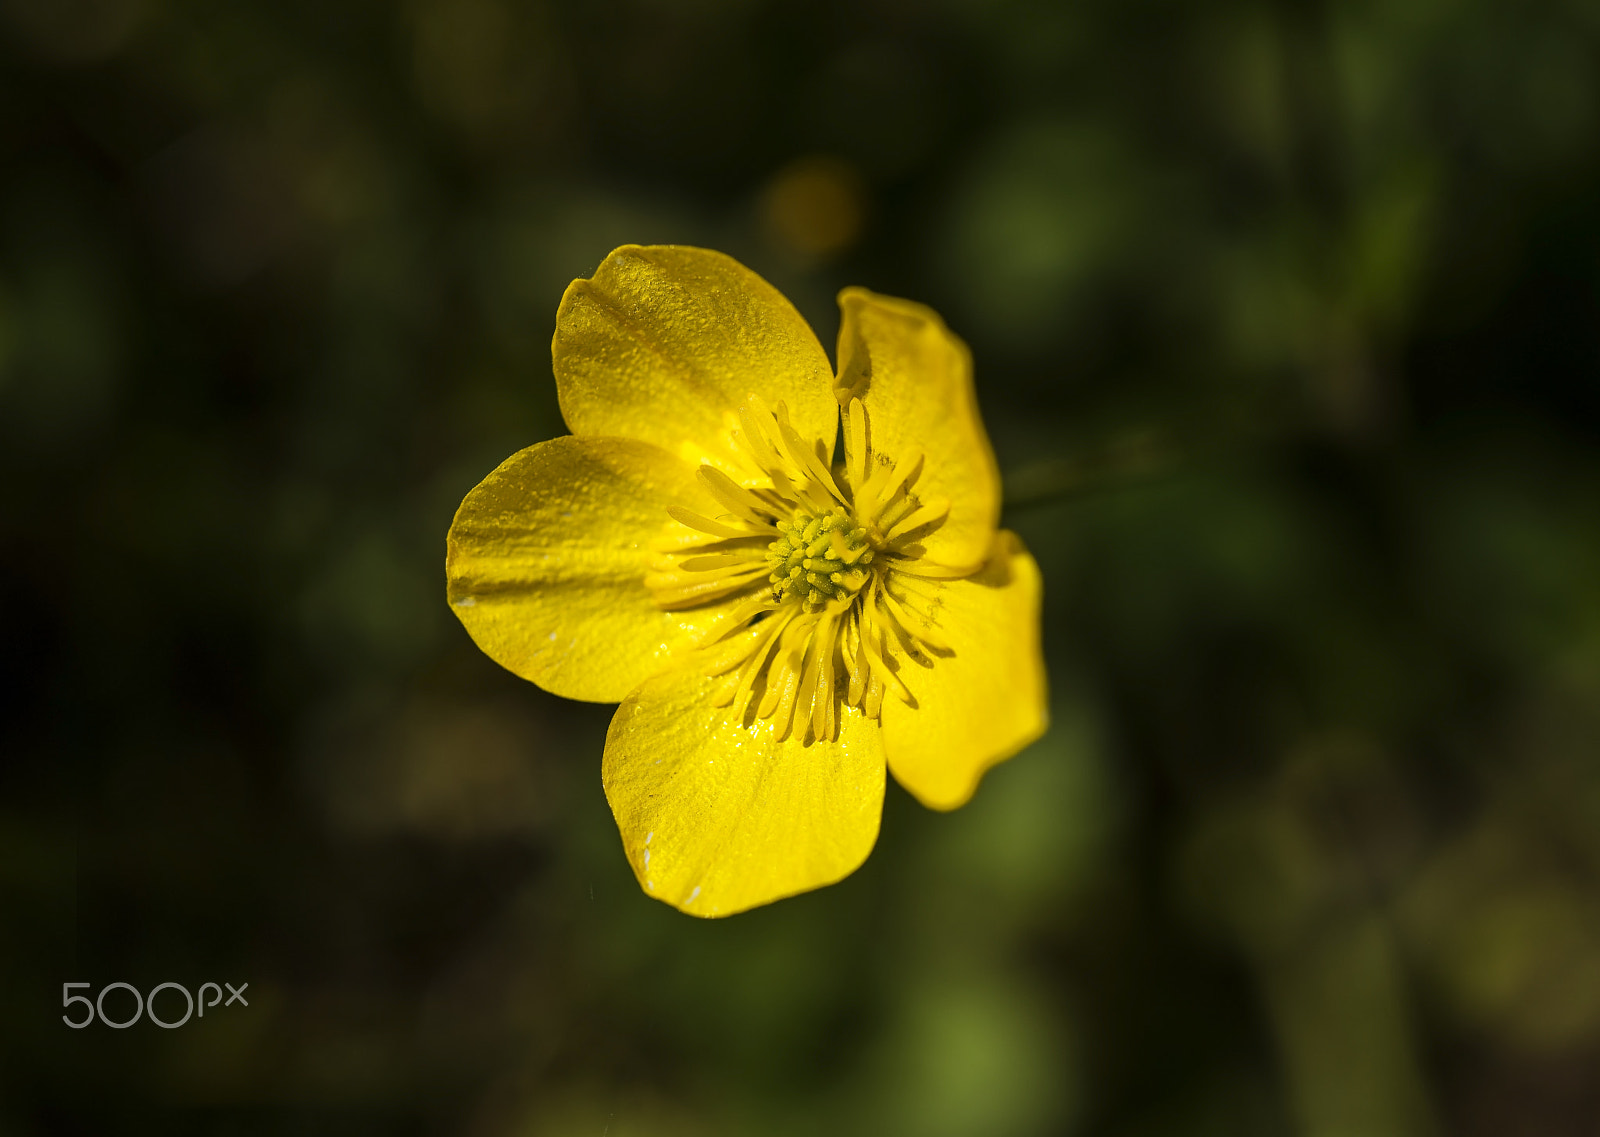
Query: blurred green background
x,y
1285,319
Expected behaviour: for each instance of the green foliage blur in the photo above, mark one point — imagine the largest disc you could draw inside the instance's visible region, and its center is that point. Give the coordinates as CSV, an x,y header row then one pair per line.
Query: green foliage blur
x,y
1286,316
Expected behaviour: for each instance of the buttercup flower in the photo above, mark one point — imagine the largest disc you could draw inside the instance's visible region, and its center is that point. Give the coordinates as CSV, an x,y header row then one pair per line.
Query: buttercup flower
x,y
779,627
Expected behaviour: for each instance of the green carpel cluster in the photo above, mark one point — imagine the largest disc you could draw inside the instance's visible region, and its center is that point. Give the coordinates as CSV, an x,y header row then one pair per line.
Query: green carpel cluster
x,y
819,558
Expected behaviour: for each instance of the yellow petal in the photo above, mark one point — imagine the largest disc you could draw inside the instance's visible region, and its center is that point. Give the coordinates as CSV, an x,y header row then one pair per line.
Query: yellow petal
x,y
547,557
717,817
914,376
985,702
665,343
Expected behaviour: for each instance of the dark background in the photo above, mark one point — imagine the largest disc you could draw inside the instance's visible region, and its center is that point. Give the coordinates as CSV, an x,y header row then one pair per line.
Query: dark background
x,y
1285,325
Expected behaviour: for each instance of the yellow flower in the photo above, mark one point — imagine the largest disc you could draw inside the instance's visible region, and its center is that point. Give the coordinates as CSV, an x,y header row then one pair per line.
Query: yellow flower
x,y
779,628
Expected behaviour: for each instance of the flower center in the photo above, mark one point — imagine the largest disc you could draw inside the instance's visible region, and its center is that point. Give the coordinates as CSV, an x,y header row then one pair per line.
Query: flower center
x,y
819,558
827,590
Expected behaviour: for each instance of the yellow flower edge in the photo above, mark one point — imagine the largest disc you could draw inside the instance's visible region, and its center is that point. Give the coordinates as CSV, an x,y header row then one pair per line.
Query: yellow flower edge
x,y
782,625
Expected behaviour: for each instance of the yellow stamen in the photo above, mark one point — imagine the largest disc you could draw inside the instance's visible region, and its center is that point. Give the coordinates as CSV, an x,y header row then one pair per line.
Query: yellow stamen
x,y
805,557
